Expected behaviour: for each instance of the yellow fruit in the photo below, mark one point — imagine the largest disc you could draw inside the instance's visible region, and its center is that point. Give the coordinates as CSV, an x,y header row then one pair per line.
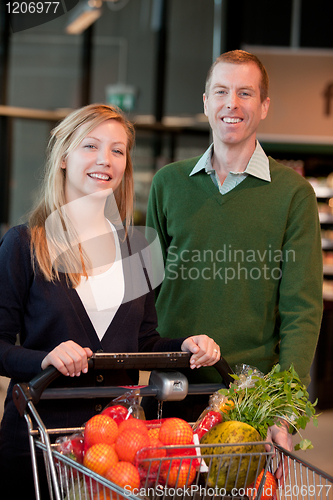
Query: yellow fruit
x,y
238,470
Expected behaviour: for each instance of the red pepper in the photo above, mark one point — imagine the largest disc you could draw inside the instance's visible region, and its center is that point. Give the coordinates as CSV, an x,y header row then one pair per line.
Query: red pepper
x,y
211,419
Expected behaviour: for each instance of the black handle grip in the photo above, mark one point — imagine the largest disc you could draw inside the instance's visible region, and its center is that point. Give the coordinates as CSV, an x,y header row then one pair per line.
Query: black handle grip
x,y
33,391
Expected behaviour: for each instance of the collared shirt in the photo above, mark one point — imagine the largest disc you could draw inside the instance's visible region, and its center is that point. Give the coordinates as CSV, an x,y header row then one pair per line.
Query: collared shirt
x,y
258,166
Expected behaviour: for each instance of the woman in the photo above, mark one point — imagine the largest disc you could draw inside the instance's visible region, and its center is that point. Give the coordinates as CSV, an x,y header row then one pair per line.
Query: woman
x,y
72,282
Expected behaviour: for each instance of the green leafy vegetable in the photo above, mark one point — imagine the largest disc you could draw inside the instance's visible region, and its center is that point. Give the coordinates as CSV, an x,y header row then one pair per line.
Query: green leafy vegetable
x,y
278,395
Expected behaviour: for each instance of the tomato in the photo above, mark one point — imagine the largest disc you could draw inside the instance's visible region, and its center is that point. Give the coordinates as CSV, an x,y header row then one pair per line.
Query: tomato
x,y
117,412
72,446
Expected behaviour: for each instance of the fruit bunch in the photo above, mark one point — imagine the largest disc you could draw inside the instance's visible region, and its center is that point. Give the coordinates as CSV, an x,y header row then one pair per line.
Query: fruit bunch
x,y
175,435
108,449
128,451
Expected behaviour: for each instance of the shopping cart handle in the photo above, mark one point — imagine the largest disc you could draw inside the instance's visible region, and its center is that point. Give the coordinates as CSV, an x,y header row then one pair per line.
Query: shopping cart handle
x,y
32,391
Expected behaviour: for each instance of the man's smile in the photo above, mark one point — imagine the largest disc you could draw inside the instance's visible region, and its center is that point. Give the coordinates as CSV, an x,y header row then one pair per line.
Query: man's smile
x,y
229,119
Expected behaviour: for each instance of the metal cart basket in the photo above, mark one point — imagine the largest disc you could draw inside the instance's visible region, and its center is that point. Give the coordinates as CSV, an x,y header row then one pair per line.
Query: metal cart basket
x,y
195,471
301,479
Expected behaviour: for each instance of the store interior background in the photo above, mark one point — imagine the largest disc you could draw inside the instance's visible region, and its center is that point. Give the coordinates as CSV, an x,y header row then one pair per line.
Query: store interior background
x,y
162,49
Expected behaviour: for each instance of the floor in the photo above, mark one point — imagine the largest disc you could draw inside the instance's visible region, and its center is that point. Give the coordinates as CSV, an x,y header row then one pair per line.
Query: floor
x,y
321,456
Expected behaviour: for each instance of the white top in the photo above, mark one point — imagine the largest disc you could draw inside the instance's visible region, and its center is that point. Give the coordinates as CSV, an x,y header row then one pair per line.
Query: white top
x,y
103,294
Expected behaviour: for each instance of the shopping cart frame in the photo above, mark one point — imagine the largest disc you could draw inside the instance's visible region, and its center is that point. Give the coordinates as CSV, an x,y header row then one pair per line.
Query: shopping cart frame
x,y
300,478
27,395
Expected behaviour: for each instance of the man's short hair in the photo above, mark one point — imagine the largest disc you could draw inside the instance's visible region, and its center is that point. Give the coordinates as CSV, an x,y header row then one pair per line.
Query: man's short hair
x,y
241,57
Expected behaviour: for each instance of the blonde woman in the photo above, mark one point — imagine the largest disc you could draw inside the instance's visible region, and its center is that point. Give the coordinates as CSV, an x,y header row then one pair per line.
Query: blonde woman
x,y
71,285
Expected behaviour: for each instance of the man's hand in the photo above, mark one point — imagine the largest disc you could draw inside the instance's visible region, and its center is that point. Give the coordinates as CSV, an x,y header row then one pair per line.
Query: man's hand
x,y
69,358
205,351
280,435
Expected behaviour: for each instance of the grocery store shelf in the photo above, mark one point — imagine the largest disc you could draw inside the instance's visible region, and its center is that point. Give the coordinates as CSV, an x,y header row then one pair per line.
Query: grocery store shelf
x,y
328,290
327,244
33,114
327,295
328,269
325,218
323,191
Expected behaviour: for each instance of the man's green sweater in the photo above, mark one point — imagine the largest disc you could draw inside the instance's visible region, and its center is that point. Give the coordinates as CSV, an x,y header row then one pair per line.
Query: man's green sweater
x,y
244,268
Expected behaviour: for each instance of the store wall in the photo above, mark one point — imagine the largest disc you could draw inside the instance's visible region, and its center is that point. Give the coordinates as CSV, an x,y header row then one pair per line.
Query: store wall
x,y
301,92
45,70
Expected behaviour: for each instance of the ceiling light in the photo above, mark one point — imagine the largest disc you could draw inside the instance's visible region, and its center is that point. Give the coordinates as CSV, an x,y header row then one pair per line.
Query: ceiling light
x,y
82,16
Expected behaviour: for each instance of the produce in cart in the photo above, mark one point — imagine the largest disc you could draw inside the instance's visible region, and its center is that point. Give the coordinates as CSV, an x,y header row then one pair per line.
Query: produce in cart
x,y
124,474
72,446
268,490
241,463
254,403
264,400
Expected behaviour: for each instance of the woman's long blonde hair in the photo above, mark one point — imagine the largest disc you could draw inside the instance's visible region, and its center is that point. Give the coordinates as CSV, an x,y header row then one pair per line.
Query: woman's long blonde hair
x,y
52,197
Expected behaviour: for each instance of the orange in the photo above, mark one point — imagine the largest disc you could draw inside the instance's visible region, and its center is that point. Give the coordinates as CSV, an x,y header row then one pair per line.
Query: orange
x,y
175,431
100,429
100,457
154,451
269,489
129,442
153,433
132,424
178,473
124,474
102,496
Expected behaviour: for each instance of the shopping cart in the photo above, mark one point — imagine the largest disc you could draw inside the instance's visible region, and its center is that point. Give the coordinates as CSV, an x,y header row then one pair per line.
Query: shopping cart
x,y
197,471
301,480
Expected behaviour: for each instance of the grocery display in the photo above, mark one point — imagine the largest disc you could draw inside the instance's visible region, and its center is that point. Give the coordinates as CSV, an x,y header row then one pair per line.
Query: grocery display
x,y
323,188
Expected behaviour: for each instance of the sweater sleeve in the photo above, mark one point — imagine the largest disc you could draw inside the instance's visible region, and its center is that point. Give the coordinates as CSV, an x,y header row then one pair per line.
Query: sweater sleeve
x,y
16,275
300,302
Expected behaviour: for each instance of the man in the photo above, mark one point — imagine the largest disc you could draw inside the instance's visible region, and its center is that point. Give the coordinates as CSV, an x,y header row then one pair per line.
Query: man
x,y
240,235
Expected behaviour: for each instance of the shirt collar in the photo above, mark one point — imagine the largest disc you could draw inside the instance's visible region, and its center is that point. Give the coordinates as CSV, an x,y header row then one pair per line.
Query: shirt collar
x,y
258,165
204,162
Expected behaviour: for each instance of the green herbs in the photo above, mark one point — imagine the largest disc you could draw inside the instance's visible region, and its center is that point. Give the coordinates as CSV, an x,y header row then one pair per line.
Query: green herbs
x,y
278,395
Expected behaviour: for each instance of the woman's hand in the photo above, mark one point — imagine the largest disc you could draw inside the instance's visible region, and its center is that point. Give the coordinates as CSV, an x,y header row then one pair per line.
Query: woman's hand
x,y
205,351
69,358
